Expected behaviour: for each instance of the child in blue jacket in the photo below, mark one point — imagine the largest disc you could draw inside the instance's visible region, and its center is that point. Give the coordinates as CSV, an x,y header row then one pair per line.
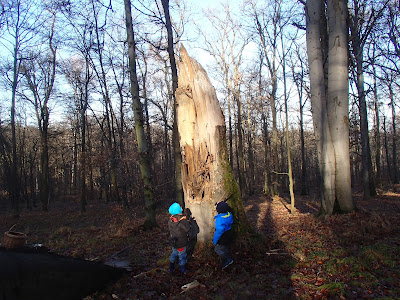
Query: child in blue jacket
x,y
223,233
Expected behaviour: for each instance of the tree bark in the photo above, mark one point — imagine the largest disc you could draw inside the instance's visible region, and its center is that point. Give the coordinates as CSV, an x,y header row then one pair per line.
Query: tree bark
x,y
207,176
394,149
14,178
389,170
338,102
145,169
240,151
289,157
175,133
377,129
318,103
329,100
299,81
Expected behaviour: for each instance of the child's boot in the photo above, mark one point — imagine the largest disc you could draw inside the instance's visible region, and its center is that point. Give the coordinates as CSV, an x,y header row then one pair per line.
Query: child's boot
x,y
171,267
227,263
183,269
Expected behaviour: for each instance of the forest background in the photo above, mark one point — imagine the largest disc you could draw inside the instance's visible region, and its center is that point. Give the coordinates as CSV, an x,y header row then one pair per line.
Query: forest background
x,y
69,146
71,129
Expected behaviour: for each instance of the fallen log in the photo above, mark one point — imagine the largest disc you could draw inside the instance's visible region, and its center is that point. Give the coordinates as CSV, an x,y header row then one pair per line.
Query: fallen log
x,y
29,273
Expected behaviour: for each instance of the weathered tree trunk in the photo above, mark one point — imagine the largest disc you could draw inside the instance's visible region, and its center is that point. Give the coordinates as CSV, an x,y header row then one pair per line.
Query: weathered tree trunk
x,y
139,124
207,176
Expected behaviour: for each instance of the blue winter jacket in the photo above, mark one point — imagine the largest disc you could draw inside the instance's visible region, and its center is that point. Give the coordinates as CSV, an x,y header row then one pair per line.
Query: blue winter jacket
x,y
223,223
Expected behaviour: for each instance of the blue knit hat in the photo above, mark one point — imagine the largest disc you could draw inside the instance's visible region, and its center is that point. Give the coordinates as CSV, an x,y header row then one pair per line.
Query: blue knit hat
x,y
222,207
175,209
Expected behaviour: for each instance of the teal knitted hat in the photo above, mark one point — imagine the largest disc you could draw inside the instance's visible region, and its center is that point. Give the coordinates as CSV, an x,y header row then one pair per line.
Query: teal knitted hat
x,y
175,209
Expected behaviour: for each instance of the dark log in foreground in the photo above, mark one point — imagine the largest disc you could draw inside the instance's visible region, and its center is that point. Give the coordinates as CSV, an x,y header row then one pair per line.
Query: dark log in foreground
x,y
36,274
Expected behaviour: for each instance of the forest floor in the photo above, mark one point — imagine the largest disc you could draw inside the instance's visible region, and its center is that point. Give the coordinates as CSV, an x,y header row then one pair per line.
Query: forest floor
x,y
292,256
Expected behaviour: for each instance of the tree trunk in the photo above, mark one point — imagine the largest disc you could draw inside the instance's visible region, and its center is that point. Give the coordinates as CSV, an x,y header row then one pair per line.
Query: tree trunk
x,y
274,139
319,108
299,81
44,186
267,181
14,178
393,107
358,42
250,151
230,133
240,151
83,156
207,176
150,206
289,157
329,100
377,134
389,172
175,132
369,188
338,100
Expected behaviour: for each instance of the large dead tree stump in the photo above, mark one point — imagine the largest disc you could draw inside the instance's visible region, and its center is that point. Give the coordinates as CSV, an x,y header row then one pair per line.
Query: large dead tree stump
x,y
207,177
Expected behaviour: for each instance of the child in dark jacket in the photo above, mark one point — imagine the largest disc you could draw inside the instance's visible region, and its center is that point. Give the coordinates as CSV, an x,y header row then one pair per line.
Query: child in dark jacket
x,y
178,227
223,234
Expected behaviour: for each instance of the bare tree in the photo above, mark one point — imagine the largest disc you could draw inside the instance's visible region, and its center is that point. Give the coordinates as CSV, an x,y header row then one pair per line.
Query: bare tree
x,y
21,19
175,133
227,48
363,17
79,75
299,76
145,169
39,73
268,33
